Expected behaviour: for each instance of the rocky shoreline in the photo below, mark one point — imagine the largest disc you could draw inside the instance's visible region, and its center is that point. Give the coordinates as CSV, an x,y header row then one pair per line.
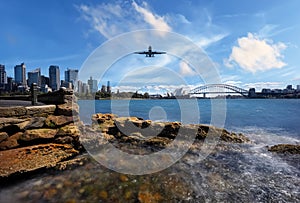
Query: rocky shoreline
x,y
51,136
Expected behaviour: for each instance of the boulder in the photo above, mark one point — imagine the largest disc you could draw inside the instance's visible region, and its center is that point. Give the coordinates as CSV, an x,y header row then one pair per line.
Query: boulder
x,y
285,148
42,133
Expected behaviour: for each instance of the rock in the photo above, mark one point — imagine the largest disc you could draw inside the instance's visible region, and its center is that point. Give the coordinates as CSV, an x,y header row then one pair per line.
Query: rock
x,y
69,130
67,109
12,111
32,158
43,133
35,122
58,121
3,136
64,140
285,148
4,122
40,111
11,142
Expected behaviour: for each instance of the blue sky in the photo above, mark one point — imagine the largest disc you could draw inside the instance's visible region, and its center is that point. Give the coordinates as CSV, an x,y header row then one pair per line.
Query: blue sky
x,y
251,43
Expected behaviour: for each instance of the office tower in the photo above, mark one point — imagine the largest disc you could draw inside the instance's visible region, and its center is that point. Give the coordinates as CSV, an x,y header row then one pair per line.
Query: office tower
x,y
34,77
54,77
20,74
3,78
108,87
71,75
93,85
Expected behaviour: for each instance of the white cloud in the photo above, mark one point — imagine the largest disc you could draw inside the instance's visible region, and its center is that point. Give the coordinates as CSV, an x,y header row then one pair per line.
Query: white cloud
x,y
206,41
254,54
156,21
114,19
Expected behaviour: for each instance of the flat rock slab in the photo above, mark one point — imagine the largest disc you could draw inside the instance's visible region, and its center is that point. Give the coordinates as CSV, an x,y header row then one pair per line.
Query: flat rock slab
x,y
31,158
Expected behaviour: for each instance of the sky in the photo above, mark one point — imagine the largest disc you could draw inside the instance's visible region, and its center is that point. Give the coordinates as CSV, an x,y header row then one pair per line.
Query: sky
x,y
250,43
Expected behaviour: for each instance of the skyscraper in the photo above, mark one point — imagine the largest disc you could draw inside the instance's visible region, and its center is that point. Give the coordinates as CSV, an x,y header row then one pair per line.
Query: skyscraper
x,y
3,78
34,77
20,74
93,85
71,75
54,77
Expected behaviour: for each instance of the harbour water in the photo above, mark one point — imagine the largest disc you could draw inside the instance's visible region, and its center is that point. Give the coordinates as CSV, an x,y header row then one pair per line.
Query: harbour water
x,y
230,173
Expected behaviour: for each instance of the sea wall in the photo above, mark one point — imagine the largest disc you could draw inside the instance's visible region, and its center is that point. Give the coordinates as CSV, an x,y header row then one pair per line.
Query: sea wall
x,y
33,137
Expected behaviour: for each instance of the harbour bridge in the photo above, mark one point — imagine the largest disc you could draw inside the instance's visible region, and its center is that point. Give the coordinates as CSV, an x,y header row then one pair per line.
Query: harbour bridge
x,y
218,89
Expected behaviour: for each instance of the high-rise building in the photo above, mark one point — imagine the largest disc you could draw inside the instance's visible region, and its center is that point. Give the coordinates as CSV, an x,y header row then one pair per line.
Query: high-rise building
x,y
20,74
34,77
93,85
3,78
71,75
108,87
54,77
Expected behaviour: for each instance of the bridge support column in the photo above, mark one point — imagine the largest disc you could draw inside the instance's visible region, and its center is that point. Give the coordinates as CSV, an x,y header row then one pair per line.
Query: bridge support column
x,y
204,95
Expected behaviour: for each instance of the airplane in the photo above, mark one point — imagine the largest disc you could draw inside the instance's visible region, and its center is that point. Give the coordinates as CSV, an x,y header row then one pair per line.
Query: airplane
x,y
150,53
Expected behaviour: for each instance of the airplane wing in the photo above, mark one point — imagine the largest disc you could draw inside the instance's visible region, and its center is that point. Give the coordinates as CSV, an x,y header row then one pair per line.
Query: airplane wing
x,y
141,52
159,52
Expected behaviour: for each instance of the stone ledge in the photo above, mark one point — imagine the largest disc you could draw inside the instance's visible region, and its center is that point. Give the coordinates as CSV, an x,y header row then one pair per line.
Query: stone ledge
x,y
32,158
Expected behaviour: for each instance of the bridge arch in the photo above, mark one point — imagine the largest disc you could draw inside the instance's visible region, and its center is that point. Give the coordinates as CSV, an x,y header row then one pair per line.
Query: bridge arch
x,y
218,89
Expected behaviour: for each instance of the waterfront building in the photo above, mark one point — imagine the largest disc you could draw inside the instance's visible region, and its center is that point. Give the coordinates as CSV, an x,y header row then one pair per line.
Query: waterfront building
x,y
103,89
79,87
93,85
298,88
44,80
3,78
108,87
20,74
54,77
71,75
34,77
85,88
66,84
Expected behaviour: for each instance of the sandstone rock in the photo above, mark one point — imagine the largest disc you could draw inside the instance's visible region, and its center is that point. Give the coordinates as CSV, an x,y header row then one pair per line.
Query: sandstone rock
x,y
42,111
58,121
31,158
43,133
35,122
64,140
15,111
69,130
3,136
67,109
11,142
4,122
285,148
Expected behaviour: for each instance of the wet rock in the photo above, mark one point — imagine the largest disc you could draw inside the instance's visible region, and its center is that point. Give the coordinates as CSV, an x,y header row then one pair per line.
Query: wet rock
x,y
285,148
43,133
58,121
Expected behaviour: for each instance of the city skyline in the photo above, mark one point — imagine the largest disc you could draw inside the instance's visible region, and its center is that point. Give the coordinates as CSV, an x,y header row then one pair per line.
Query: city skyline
x,y
251,43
